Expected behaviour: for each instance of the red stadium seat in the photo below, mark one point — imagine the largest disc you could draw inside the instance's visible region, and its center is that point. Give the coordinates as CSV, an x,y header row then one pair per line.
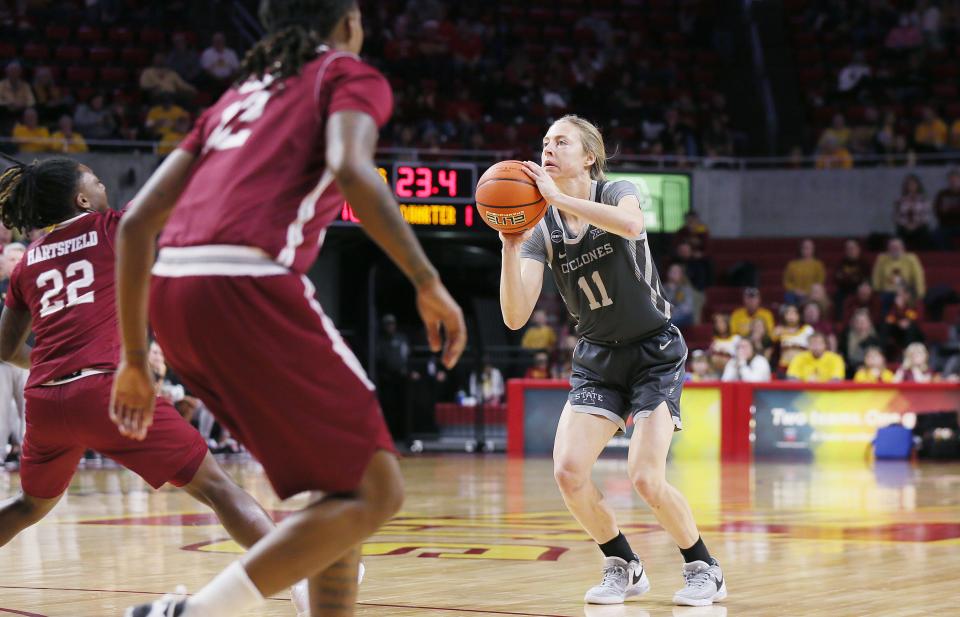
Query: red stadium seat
x,y
102,55
36,51
135,56
114,75
85,93
120,36
945,91
153,37
69,53
57,33
55,71
8,51
81,74
89,34
935,332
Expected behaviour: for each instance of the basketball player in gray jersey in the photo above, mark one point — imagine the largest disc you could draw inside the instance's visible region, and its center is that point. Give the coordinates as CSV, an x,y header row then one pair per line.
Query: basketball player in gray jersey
x,y
629,360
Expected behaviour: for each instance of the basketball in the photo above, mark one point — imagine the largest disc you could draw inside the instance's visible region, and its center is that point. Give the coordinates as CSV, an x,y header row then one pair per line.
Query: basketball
x,y
508,200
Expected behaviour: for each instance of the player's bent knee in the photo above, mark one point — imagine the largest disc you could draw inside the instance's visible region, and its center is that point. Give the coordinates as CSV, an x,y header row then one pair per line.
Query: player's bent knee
x,y
32,509
649,484
570,477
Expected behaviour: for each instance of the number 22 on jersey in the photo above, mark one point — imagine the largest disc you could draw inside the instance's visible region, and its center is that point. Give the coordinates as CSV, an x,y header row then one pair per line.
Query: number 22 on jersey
x,y
605,300
229,134
81,273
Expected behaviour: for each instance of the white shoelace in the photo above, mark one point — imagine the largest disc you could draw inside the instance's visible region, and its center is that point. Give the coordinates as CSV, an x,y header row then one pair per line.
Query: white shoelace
x,y
698,579
613,576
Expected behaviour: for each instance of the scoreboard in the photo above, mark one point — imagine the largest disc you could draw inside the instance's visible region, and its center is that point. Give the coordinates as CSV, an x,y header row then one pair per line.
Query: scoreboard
x,y
435,196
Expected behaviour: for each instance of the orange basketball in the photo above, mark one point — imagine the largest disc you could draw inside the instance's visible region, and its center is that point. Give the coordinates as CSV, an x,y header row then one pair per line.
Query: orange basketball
x,y
508,200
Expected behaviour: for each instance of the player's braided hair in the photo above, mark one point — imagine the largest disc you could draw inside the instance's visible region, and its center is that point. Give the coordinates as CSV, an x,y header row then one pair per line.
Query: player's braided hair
x,y
295,28
38,194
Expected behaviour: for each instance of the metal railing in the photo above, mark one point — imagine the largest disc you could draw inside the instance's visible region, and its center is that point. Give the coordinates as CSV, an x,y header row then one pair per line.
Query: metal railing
x,y
623,162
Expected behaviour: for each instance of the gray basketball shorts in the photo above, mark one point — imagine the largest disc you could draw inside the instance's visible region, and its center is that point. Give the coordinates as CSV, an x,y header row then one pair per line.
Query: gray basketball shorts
x,y
619,381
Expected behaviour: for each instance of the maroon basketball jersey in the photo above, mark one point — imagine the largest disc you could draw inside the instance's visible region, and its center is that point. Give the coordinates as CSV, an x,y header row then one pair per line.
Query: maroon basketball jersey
x,y
66,281
259,177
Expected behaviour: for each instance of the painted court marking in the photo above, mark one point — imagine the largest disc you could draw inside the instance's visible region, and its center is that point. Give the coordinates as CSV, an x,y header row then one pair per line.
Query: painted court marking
x,y
485,611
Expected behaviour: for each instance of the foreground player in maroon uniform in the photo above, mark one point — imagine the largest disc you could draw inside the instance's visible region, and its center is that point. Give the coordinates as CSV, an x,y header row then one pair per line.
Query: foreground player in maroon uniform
x,y
249,194
64,288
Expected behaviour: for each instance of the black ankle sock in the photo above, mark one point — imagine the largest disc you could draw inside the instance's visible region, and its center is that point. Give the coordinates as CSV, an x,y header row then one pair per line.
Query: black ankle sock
x,y
618,547
697,552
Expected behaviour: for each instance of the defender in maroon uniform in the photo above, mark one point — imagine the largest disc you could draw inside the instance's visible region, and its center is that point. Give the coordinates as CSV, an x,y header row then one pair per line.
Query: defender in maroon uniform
x,y
248,195
64,289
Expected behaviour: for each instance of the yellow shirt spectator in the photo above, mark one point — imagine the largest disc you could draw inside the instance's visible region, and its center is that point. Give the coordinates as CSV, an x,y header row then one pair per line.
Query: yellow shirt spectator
x,y
72,145
805,367
931,133
539,337
955,134
31,140
169,141
161,118
889,272
740,320
840,159
801,274
866,375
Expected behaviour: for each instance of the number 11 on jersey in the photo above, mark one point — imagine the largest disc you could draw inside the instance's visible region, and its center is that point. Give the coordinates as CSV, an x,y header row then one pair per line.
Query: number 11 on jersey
x,y
605,300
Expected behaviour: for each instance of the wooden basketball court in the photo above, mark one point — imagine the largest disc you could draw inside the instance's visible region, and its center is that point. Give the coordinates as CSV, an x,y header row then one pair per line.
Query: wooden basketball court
x,y
490,536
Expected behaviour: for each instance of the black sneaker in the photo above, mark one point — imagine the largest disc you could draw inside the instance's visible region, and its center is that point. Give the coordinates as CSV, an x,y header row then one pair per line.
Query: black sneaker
x,y
170,605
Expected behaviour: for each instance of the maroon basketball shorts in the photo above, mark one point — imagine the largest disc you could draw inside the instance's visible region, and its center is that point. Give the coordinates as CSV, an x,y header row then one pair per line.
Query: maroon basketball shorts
x,y
259,352
66,420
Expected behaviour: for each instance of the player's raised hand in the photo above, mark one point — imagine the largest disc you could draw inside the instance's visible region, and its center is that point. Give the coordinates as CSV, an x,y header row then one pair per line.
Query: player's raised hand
x,y
439,310
132,400
511,241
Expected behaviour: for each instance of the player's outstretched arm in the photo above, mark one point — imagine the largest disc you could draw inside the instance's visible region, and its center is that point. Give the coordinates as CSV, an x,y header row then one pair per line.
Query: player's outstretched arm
x,y
626,220
14,331
131,405
521,280
351,139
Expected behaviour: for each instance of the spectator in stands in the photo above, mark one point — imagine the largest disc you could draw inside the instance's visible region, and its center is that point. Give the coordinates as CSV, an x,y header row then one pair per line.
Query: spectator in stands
x,y
540,368
15,93
955,134
219,61
170,138
540,335
931,133
700,367
93,120
792,336
863,136
859,336
874,369
66,140
695,233
163,116
159,80
761,338
747,365
29,135
818,365
818,294
897,268
487,385
901,322
681,295
52,100
173,392
392,371
723,347
916,365
801,273
699,270
744,316
838,131
863,298
563,369
913,215
183,58
832,155
852,270
853,78
812,316
947,208
904,36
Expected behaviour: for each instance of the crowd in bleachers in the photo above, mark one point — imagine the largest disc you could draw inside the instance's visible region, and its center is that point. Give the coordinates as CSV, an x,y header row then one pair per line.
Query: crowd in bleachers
x,y
879,76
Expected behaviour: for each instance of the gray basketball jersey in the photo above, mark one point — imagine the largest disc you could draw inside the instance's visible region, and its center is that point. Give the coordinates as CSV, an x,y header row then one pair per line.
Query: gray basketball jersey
x,y
609,284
